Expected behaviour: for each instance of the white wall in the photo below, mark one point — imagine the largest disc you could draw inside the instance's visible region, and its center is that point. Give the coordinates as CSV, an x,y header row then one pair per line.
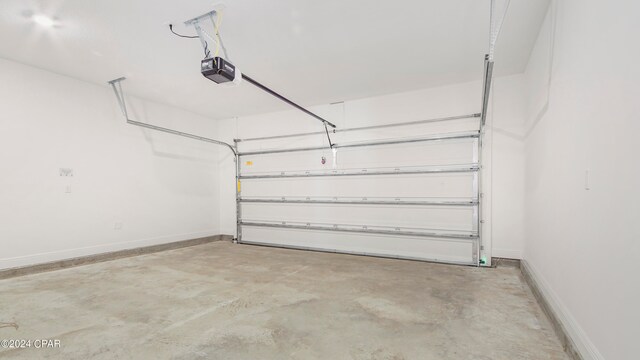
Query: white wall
x,y
503,158
160,187
506,133
582,173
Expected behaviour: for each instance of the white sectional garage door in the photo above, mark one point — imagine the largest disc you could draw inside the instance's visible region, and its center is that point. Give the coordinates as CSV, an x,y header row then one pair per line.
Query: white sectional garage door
x,y
405,191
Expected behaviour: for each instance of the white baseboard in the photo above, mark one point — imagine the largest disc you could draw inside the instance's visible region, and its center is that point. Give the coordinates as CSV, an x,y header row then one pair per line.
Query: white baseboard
x,y
33,259
573,331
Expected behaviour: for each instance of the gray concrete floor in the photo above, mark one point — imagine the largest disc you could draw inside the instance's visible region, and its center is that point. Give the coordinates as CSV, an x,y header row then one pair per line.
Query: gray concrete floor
x,y
225,301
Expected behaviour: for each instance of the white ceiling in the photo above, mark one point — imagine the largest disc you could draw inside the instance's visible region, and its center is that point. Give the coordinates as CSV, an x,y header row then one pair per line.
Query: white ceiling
x,y
314,52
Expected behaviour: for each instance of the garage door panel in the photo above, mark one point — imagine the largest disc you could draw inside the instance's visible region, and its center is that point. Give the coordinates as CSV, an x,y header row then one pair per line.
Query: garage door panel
x,y
457,185
384,156
430,217
366,244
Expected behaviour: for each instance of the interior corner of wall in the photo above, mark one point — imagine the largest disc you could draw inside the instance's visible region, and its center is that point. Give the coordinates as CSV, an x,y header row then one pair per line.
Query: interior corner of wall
x,y
576,334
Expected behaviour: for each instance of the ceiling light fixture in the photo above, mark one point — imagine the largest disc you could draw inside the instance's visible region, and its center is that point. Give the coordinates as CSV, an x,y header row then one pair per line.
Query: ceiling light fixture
x,y
43,20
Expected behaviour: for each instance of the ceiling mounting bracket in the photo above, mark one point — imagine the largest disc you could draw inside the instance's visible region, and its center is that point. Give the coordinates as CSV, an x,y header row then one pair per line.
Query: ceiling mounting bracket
x,y
199,23
196,24
116,84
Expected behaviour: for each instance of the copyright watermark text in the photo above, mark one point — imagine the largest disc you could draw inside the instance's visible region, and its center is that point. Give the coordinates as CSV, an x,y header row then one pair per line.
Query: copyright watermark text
x,y
30,343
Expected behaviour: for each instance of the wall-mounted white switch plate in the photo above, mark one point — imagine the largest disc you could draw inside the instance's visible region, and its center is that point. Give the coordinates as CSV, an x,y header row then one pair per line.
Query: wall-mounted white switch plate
x,y
67,189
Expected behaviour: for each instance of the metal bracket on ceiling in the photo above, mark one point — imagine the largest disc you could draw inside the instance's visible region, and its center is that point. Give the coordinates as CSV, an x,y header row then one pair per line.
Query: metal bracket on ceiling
x,y
116,84
195,22
199,22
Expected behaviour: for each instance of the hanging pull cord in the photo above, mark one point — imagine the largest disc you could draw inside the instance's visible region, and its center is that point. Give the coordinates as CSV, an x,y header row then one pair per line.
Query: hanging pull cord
x,y
328,137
